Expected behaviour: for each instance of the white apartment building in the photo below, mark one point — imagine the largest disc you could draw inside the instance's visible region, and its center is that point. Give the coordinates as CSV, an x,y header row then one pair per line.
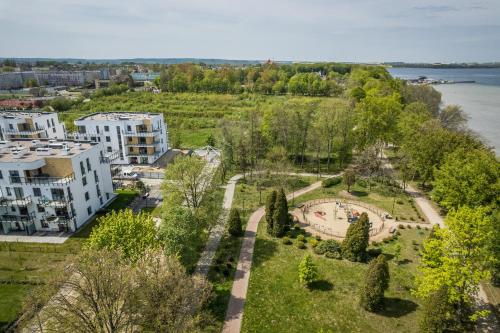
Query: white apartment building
x,y
49,185
137,138
30,125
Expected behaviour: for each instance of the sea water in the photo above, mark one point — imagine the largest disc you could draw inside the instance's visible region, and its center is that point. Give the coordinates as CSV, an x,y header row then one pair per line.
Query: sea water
x,y
479,100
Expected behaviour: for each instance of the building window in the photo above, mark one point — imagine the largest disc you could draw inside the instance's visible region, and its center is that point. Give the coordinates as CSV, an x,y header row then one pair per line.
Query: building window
x,y
53,129
129,128
89,210
70,195
37,192
108,139
98,190
40,208
96,178
87,196
106,128
48,123
109,149
13,209
97,129
1,175
52,120
82,168
14,176
88,165
11,127
107,196
100,200
8,191
84,180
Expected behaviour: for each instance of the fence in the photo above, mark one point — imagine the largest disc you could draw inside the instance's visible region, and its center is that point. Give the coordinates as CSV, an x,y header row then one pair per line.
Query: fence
x,y
329,231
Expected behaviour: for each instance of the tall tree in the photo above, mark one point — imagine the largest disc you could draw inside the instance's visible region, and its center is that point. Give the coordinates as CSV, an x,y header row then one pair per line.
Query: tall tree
x,y
234,222
356,239
467,177
131,234
186,180
270,208
458,258
375,284
349,178
280,216
452,117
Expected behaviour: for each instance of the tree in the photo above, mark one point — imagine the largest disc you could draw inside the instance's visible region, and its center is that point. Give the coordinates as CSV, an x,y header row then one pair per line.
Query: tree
x,y
349,178
458,258
270,208
308,272
179,232
170,300
369,162
186,179
210,140
235,229
452,117
397,253
356,239
467,177
280,216
131,234
425,94
437,313
375,284
100,292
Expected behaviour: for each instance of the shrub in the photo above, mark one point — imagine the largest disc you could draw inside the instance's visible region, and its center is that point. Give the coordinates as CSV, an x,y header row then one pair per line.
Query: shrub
x,y
326,246
301,238
329,182
409,226
387,239
333,255
300,245
308,271
296,227
374,252
418,227
234,228
362,183
412,219
318,238
286,240
401,226
399,202
313,242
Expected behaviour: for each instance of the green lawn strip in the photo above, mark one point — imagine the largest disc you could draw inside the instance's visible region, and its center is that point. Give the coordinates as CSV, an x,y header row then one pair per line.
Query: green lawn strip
x,y
276,302
11,297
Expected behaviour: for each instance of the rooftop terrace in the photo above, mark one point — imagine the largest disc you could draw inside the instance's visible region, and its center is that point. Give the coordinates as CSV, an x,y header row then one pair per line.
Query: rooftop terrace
x,y
19,151
119,116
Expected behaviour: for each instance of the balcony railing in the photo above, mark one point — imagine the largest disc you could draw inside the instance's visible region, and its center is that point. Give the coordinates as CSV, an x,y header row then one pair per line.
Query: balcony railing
x,y
24,131
141,133
21,202
43,180
17,218
54,202
142,154
154,143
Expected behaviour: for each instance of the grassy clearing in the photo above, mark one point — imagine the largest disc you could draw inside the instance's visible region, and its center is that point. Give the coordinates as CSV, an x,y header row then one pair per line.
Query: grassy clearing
x,y
276,302
25,265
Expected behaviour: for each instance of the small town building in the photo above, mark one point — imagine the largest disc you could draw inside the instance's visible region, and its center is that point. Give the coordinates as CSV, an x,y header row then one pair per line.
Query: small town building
x,y
30,125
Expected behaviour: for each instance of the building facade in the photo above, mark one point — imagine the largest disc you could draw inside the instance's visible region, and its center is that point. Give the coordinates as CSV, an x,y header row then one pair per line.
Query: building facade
x,y
49,185
17,80
30,125
137,138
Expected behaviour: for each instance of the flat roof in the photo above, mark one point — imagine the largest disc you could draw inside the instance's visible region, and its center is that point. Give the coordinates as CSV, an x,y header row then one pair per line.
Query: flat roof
x,y
117,115
22,114
50,149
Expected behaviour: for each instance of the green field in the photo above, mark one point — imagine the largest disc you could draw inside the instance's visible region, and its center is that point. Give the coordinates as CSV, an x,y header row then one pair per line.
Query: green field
x,y
23,266
276,302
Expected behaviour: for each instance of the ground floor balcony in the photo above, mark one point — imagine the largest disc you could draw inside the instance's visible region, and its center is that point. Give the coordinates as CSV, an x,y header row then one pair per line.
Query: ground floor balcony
x,y
25,223
19,202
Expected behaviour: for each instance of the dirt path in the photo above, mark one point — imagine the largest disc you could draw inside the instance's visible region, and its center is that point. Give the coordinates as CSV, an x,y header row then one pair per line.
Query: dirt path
x,y
234,314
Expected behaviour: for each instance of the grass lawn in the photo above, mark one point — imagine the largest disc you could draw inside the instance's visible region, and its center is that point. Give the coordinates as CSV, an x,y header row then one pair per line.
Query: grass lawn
x,y
24,265
276,302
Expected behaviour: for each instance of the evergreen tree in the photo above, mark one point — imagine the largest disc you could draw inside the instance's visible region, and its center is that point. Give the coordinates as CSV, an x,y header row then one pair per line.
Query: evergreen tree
x,y
356,239
375,284
235,229
280,217
270,207
308,271
437,312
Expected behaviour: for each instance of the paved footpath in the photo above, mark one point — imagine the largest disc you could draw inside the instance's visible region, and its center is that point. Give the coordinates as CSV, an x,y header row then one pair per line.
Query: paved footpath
x,y
234,314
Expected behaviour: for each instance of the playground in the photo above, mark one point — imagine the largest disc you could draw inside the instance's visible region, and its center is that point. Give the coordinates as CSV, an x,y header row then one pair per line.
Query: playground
x,y
332,217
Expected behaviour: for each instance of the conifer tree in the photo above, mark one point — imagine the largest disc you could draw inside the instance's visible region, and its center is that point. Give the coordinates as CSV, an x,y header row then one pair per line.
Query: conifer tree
x,y
234,228
308,271
271,200
375,284
356,239
280,217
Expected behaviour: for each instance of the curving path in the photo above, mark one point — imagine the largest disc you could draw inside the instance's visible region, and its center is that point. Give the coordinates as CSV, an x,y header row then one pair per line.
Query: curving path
x,y
234,314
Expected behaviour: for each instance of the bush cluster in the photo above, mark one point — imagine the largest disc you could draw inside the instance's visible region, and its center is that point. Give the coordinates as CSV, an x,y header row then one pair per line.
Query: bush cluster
x,y
329,182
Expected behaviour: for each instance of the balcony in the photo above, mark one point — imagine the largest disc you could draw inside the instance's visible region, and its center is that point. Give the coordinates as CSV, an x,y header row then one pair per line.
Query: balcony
x,y
142,133
144,154
43,180
155,142
26,131
54,202
20,202
17,218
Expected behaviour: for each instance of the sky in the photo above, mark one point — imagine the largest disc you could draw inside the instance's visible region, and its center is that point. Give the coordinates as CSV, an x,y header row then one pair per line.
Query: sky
x,y
296,30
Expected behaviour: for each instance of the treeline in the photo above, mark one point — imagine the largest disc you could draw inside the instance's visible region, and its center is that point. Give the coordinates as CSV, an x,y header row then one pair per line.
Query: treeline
x,y
321,79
